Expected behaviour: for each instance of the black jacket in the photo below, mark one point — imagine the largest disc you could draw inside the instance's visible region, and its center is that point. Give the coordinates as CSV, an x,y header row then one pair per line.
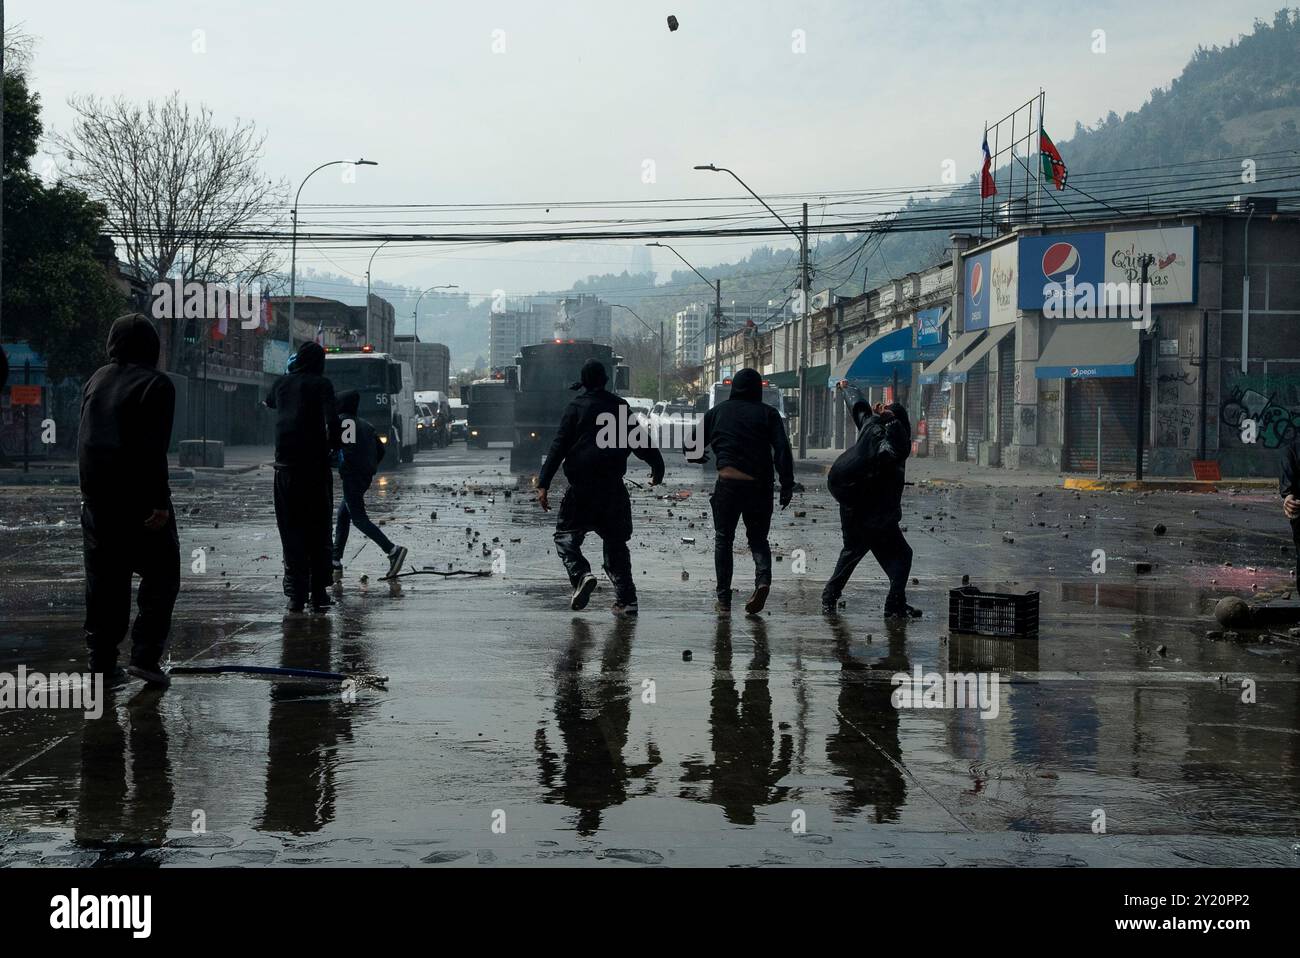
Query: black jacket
x,y
126,425
586,463
748,434
869,476
307,427
362,456
1290,471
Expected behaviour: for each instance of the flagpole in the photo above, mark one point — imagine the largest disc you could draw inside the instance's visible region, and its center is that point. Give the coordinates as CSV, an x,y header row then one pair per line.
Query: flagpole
x,y
1038,178
985,142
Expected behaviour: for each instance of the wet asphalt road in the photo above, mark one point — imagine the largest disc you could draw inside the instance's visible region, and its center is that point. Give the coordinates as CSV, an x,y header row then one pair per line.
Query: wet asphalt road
x,y
514,731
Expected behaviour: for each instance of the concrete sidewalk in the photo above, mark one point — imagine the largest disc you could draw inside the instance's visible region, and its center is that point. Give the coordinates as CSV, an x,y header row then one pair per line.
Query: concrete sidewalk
x,y
941,471
239,460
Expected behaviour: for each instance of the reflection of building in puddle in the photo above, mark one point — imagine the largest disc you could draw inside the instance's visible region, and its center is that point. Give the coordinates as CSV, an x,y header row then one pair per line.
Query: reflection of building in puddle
x,y
1153,597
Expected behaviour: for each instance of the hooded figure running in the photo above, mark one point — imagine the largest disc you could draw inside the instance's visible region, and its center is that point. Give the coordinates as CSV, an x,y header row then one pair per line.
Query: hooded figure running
x,y
358,462
867,480
307,433
597,433
128,525
750,445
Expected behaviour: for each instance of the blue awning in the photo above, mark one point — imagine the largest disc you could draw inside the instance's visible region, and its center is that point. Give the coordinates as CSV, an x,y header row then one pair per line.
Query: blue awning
x,y
865,365
1088,350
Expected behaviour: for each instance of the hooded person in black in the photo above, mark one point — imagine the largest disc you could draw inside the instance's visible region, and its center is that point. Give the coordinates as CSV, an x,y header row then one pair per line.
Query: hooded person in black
x,y
307,434
359,460
127,522
752,450
597,433
867,480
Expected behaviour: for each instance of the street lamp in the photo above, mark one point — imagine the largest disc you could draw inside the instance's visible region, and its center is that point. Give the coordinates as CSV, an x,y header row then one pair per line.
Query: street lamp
x,y
717,310
659,388
293,249
803,286
368,265
415,323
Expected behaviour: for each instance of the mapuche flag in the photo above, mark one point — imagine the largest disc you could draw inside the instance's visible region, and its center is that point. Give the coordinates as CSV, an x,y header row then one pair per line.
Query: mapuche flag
x,y
987,186
1050,157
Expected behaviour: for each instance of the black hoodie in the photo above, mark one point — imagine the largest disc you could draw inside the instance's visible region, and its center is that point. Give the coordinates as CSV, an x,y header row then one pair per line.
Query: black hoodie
x,y
870,475
586,461
126,425
748,434
360,457
307,427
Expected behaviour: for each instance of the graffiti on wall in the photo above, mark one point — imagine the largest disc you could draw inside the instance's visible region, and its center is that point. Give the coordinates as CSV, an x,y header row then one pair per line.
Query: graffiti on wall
x,y
1249,412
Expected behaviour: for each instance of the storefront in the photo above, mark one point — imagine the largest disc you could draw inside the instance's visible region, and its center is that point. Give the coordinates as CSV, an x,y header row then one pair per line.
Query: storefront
x,y
1097,361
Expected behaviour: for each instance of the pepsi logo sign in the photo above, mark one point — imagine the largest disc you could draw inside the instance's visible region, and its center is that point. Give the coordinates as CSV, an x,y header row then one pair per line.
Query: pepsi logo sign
x,y
976,290
1060,260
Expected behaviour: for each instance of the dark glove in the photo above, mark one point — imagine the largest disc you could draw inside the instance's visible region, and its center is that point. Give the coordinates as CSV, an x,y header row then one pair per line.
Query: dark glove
x,y
786,496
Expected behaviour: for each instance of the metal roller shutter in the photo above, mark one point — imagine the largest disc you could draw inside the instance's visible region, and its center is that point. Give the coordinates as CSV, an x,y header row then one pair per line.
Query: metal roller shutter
x,y
1118,399
976,408
1006,390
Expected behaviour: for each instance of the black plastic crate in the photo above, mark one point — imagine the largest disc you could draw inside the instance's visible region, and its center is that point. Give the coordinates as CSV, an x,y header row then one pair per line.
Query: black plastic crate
x,y
993,613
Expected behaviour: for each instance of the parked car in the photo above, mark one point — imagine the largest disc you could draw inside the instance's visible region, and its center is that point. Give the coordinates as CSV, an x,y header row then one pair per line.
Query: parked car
x,y
459,429
670,421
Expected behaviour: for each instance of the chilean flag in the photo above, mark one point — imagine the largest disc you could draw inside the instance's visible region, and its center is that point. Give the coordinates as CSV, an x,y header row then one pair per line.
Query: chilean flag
x,y
987,186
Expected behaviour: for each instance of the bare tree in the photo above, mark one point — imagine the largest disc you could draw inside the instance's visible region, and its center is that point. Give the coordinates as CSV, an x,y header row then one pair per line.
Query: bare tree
x,y
17,49
180,190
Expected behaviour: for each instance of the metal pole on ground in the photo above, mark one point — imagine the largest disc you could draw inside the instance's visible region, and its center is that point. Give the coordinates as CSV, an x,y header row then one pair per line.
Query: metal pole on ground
x,y
1098,442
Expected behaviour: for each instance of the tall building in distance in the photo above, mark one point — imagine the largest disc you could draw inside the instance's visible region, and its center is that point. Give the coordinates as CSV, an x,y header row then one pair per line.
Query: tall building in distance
x,y
430,362
584,317
692,328
524,323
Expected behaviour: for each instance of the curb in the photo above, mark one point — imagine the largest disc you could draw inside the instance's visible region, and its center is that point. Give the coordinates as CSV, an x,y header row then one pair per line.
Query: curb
x,y
1163,485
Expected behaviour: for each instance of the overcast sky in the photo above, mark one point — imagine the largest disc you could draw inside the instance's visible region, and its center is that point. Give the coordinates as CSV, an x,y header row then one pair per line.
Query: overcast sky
x,y
584,92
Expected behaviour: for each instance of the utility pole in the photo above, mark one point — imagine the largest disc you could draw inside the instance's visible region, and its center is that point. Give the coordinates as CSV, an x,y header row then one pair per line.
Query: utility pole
x,y
805,408
717,330
1145,261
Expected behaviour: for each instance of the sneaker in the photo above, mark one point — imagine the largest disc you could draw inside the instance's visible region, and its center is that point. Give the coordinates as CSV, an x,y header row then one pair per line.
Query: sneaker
x,y
582,594
151,672
396,559
830,608
624,611
295,606
757,600
338,573
906,612
320,603
722,608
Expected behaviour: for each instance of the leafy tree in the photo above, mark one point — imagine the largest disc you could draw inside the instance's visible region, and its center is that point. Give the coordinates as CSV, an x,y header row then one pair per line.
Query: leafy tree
x,y
57,294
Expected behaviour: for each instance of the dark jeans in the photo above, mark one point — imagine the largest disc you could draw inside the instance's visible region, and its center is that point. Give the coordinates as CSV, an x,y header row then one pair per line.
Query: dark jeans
x,y
304,503
116,548
863,534
352,512
604,509
1295,538
733,500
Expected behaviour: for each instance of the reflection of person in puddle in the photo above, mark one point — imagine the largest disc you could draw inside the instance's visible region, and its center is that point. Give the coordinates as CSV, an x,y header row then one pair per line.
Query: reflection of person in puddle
x,y
592,712
306,724
110,814
865,746
747,763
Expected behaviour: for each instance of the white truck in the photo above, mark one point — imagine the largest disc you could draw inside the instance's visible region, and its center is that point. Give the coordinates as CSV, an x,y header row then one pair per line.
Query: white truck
x,y
387,397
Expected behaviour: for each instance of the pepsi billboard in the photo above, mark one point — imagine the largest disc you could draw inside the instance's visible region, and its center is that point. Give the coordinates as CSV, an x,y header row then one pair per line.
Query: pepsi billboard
x,y
1075,258
975,301
1089,261
929,326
